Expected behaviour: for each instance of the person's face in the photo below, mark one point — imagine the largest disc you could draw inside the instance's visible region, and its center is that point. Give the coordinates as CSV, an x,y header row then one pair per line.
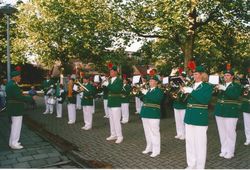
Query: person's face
x,y
112,73
197,76
85,80
17,79
152,83
228,77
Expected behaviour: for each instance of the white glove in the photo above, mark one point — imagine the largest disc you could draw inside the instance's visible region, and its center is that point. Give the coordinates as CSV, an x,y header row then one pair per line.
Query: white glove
x,y
144,91
221,87
187,89
59,99
106,83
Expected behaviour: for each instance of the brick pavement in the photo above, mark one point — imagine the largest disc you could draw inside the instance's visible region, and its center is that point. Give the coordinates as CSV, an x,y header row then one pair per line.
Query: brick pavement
x,y
93,146
37,152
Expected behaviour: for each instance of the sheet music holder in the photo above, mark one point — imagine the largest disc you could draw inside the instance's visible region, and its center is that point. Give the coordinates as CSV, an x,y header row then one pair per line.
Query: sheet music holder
x,y
177,80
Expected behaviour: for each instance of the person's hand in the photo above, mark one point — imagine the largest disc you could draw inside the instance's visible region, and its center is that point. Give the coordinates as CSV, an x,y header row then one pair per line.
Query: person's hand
x,y
144,91
106,83
187,89
221,87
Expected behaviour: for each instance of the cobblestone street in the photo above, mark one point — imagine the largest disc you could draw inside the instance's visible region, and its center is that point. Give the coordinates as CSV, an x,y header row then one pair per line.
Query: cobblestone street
x,y
92,145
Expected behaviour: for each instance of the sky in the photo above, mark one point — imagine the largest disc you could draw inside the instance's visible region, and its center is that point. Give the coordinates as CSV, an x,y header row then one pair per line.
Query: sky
x,y
13,2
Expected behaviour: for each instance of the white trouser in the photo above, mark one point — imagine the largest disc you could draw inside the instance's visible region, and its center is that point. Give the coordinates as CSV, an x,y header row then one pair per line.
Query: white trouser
x,y
196,146
51,108
78,102
246,117
46,103
138,104
16,127
227,132
152,134
179,115
125,112
105,104
58,109
72,112
115,121
88,116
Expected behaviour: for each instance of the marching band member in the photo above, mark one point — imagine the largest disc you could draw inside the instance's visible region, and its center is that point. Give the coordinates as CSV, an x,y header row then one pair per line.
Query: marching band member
x,y
87,102
46,86
60,99
150,114
179,114
246,108
196,120
114,106
227,112
15,108
71,97
138,97
246,112
125,100
51,99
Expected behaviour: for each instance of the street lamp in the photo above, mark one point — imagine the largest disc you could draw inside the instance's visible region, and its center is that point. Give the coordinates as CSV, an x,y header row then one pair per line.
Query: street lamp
x,y
8,10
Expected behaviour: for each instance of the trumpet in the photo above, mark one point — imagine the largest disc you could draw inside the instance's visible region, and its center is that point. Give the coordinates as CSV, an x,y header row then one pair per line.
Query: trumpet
x,y
105,81
138,88
81,86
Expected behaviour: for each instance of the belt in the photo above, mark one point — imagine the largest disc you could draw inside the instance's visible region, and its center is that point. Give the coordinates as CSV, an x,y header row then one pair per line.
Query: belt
x,y
152,105
14,101
229,102
87,97
245,100
197,106
111,95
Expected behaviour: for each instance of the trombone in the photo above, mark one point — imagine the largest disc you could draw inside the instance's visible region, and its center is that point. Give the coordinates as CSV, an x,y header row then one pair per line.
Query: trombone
x,y
82,87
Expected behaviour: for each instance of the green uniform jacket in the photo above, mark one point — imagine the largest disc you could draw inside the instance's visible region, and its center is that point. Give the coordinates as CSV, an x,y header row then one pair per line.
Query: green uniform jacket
x,y
200,97
179,105
88,96
151,106
15,99
126,93
246,103
114,93
46,85
62,95
228,104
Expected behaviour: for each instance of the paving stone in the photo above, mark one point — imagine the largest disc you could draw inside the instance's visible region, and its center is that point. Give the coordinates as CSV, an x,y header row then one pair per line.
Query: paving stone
x,y
8,162
38,163
40,156
22,165
25,158
13,155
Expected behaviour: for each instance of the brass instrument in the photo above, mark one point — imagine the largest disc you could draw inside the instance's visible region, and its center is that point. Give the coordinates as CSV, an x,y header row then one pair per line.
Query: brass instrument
x,y
104,81
81,86
138,88
246,90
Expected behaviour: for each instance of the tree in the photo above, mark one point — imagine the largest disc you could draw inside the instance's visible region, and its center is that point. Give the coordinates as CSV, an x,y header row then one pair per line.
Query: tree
x,y
61,30
184,23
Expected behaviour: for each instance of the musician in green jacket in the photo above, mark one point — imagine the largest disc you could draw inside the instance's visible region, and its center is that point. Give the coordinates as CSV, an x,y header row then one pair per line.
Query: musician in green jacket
x,y
246,110
227,112
87,102
150,115
47,86
15,108
125,100
196,120
115,85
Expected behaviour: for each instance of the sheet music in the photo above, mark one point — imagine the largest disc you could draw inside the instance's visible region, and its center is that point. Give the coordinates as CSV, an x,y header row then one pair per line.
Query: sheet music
x,y
214,79
165,80
75,87
96,79
136,79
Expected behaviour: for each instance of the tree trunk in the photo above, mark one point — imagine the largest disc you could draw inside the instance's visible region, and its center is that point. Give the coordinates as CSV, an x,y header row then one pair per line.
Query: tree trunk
x,y
188,50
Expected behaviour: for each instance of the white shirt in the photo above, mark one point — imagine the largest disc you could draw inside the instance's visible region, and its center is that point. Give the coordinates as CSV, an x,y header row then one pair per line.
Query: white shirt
x,y
227,84
196,85
113,79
